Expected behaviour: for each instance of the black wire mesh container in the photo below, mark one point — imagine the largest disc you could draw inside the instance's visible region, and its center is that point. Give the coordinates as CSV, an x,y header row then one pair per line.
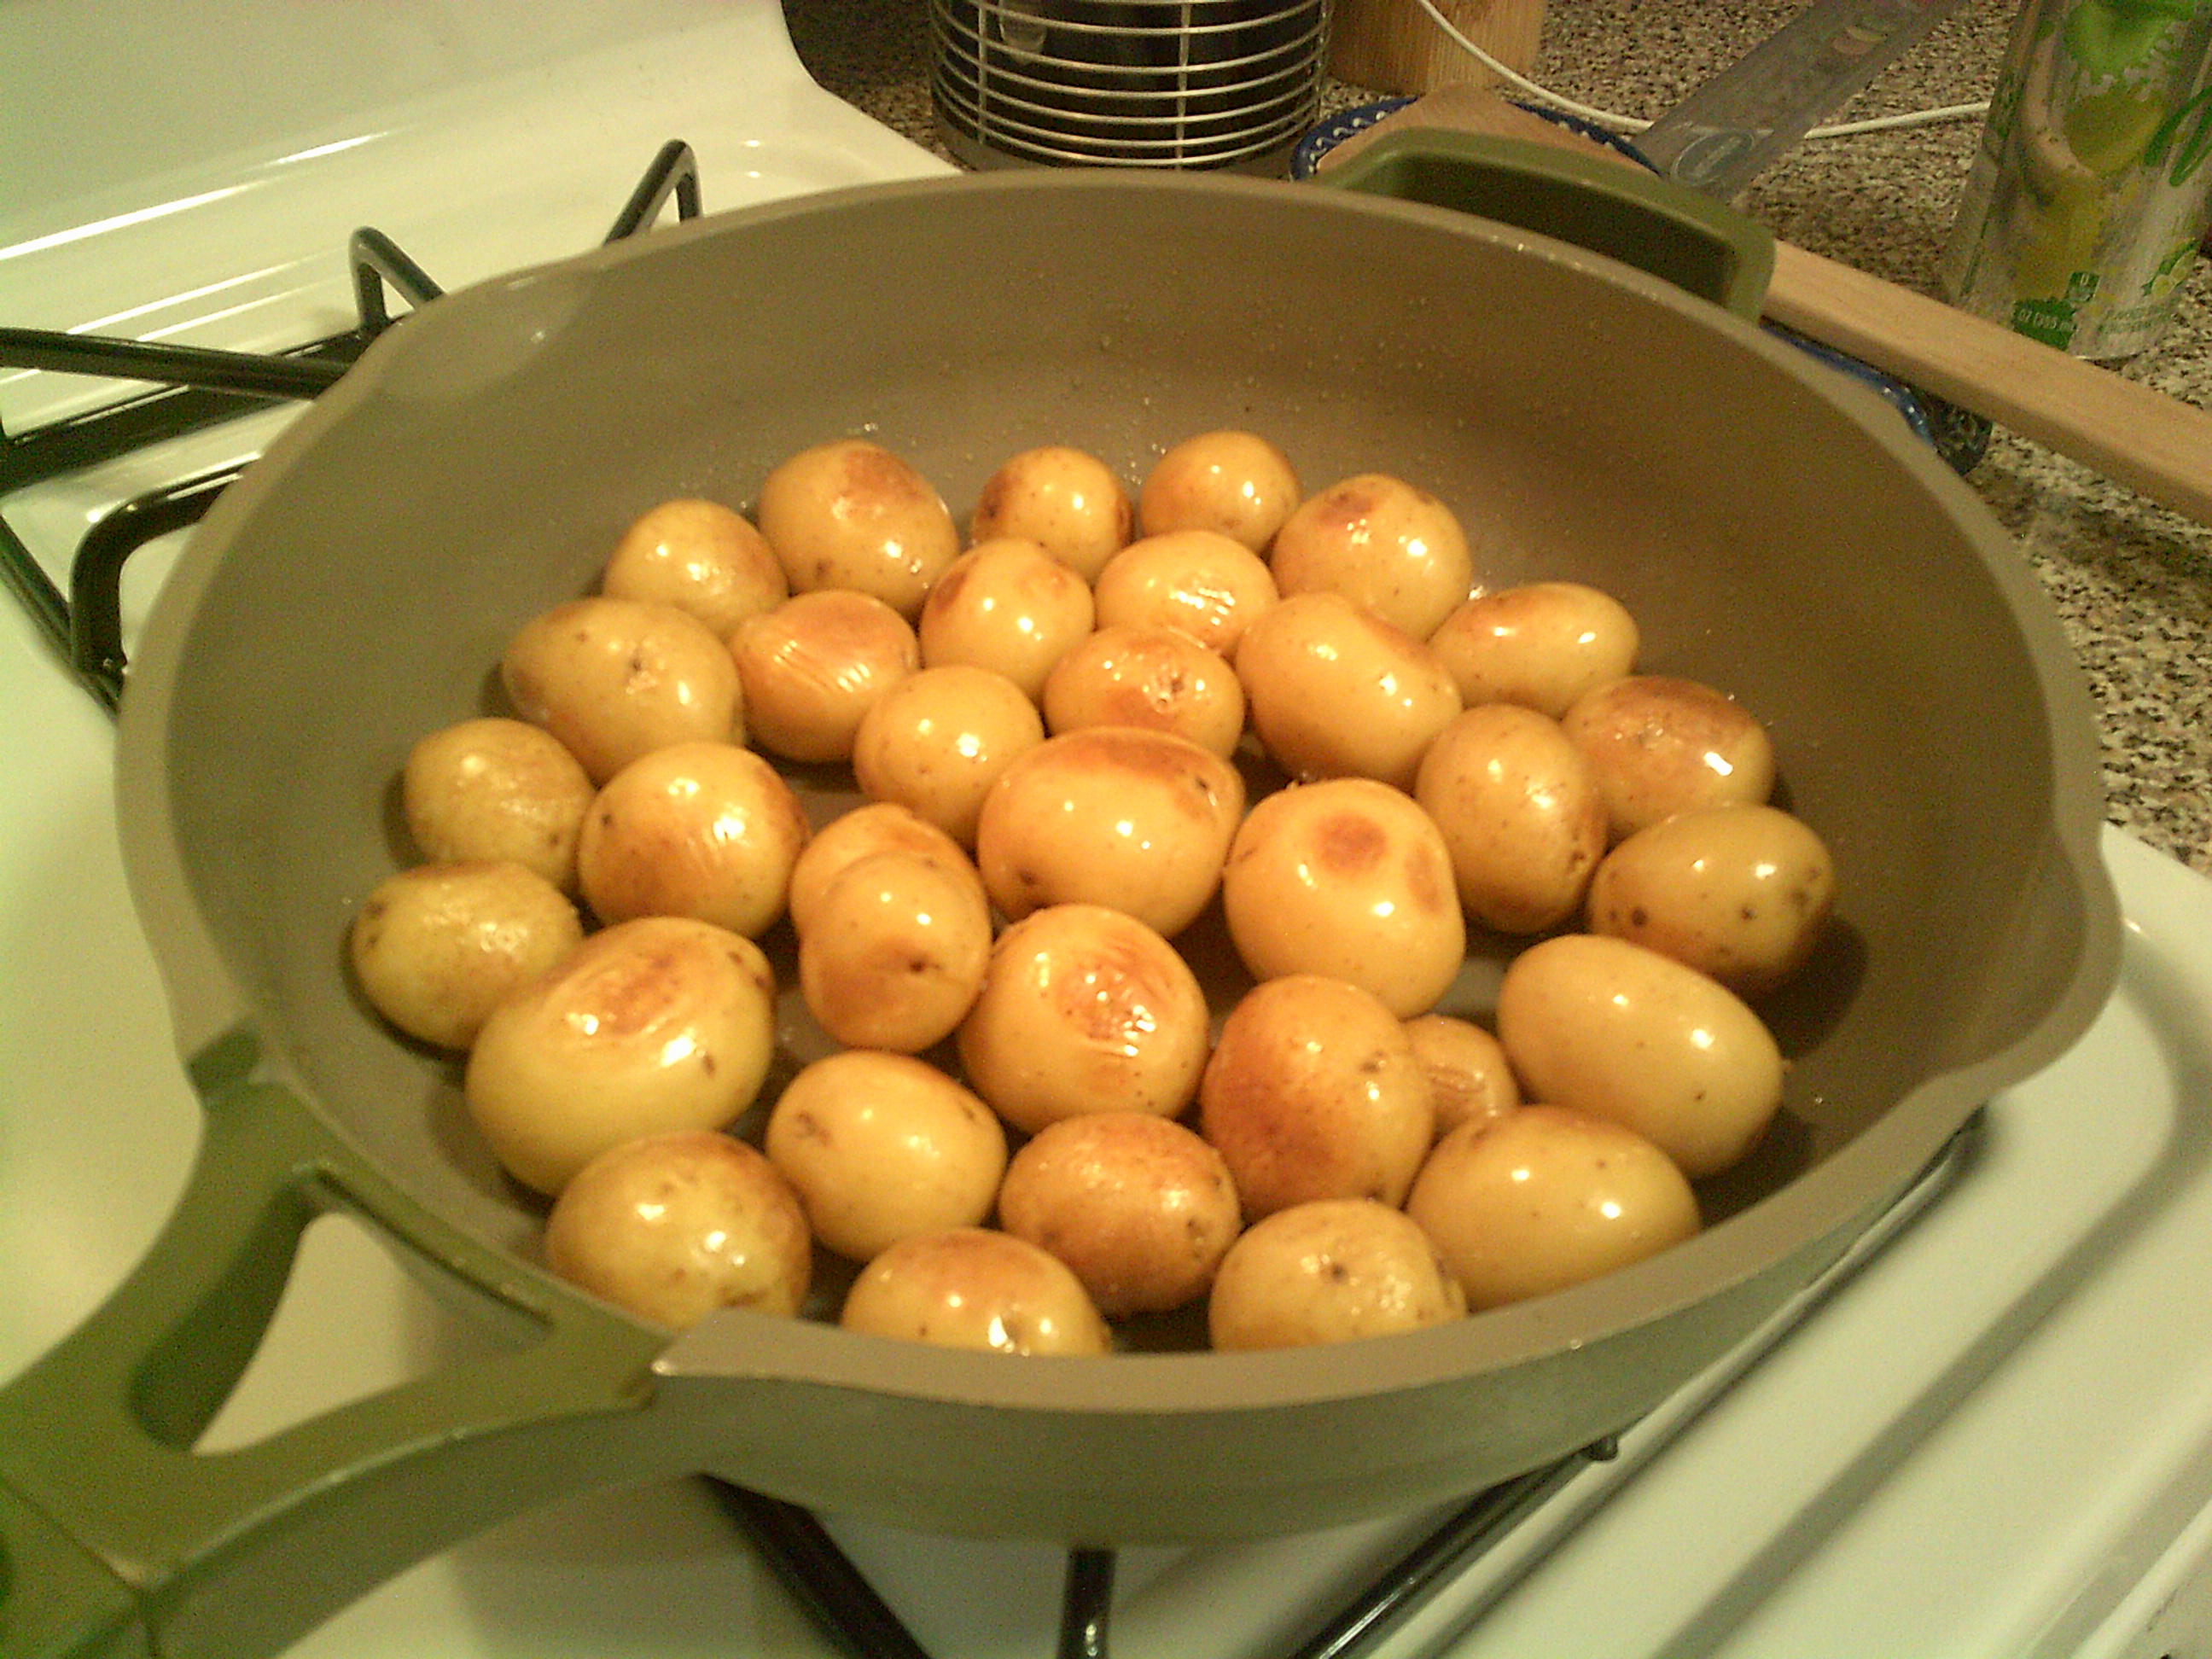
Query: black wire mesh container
x,y
1155,83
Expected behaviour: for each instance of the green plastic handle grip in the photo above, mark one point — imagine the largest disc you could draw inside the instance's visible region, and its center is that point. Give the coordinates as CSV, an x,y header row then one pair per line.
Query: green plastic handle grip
x,y
118,1538
1625,213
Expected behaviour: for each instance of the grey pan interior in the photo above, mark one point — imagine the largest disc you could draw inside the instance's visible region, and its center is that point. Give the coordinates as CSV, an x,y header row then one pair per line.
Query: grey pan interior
x,y
1777,535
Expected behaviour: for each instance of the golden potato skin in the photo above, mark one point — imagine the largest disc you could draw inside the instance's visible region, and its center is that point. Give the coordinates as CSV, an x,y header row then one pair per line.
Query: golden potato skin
x,y
811,667
1394,551
1227,483
883,1147
1085,1009
1621,1032
674,1227
1545,1198
663,1023
500,789
1742,893
1540,645
937,741
1658,744
1348,878
1068,502
973,1288
894,954
851,516
1335,691
1007,606
1312,1091
1136,820
1335,1270
702,829
700,556
1157,678
871,827
1211,585
616,678
1141,1209
1470,1080
1521,815
437,948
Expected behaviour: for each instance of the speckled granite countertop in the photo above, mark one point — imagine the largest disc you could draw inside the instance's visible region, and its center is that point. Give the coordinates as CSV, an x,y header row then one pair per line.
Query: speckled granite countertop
x,y
2132,581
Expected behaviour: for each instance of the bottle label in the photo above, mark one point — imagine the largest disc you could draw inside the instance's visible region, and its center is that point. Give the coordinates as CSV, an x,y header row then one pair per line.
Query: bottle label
x,y
2090,191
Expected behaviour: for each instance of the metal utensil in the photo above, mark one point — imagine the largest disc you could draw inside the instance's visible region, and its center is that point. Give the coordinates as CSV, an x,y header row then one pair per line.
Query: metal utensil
x,y
1733,125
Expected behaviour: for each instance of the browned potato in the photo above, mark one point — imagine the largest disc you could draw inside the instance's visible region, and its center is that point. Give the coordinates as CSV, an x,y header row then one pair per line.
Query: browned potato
x,y
1141,1209
813,667
850,514
1336,692
499,789
1313,1091
1742,893
703,829
1521,816
1545,1198
700,557
973,1288
1069,503
1619,1031
937,740
616,678
1470,1078
1157,678
673,1227
882,1147
1209,585
436,948
1540,645
1351,880
659,1023
894,953
1140,820
1391,549
1229,482
1085,1009
1048,730
1658,745
1334,1270
1007,606
874,827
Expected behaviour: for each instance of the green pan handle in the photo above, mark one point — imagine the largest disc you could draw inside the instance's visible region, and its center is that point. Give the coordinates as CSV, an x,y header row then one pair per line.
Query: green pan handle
x,y
1625,213
116,1537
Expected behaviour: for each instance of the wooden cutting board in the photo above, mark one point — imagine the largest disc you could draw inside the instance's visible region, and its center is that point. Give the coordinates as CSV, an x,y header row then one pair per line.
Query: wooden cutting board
x,y
1392,46
2129,431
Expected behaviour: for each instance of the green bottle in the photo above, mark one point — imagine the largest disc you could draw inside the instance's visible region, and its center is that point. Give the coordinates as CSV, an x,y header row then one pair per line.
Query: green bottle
x,y
2091,189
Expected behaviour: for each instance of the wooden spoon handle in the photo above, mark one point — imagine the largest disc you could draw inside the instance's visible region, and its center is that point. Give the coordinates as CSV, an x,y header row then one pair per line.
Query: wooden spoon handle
x,y
2131,433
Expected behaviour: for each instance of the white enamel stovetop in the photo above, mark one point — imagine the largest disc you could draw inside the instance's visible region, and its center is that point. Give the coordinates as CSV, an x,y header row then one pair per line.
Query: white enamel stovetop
x,y
1995,1440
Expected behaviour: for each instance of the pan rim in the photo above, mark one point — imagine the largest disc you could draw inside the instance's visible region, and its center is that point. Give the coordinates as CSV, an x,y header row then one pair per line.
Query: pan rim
x,y
1840,1192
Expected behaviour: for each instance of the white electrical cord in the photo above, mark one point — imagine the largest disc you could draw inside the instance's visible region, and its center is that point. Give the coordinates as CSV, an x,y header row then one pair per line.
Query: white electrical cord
x,y
1630,123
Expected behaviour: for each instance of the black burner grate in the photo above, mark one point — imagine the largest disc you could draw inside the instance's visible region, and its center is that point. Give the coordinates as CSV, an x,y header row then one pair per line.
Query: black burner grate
x,y
847,1607
198,388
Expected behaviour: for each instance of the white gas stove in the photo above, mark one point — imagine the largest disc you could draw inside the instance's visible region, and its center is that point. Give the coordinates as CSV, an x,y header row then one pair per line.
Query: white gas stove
x,y
1994,1437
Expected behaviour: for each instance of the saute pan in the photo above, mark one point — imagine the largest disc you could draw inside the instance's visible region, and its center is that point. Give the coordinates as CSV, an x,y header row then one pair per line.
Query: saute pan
x,y
1778,532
